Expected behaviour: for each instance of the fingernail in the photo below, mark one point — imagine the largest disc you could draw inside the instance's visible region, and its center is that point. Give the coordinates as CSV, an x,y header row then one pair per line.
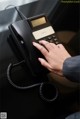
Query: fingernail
x,y
39,59
33,43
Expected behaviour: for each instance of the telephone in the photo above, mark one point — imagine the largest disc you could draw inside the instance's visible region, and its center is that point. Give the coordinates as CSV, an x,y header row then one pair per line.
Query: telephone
x,y
23,33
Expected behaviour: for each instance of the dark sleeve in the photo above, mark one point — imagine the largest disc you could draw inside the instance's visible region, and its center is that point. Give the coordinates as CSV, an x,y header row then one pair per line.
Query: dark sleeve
x,y
71,68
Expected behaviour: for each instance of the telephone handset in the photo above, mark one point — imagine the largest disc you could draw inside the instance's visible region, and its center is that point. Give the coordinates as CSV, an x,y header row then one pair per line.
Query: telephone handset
x,y
23,33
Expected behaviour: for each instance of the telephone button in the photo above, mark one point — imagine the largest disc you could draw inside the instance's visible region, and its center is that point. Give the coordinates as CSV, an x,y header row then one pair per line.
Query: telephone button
x,y
56,42
50,37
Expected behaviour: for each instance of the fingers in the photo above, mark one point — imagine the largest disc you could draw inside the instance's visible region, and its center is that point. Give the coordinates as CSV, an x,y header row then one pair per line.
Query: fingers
x,y
44,63
41,48
44,52
47,45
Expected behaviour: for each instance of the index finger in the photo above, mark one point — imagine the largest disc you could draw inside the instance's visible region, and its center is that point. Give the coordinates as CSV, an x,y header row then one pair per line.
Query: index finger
x,y
47,45
41,48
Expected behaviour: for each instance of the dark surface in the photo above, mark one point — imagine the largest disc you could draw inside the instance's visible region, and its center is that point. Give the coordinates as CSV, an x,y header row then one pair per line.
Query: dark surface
x,y
27,104
66,17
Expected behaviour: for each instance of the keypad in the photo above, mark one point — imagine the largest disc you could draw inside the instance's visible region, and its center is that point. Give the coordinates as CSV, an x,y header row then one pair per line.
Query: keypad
x,y
52,39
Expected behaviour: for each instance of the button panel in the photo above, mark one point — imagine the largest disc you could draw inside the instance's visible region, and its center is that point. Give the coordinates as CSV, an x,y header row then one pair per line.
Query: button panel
x,y
52,39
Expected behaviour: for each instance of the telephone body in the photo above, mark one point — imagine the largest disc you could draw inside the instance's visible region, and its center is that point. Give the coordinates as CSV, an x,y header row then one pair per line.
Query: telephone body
x,y
23,33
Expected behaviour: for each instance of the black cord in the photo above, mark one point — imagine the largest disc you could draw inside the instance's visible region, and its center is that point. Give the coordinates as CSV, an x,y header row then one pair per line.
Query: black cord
x,y
42,85
10,67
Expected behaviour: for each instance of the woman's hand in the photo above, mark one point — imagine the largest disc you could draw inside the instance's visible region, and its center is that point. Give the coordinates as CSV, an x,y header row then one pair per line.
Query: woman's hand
x,y
55,56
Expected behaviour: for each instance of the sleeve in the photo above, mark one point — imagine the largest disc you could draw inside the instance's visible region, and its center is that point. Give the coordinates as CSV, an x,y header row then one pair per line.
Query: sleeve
x,y
71,68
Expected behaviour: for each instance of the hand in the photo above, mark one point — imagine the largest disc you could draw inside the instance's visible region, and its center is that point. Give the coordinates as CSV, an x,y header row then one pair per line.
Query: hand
x,y
55,56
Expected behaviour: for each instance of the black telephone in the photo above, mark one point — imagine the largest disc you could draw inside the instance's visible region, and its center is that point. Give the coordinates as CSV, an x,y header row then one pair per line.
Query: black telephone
x,y
23,33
